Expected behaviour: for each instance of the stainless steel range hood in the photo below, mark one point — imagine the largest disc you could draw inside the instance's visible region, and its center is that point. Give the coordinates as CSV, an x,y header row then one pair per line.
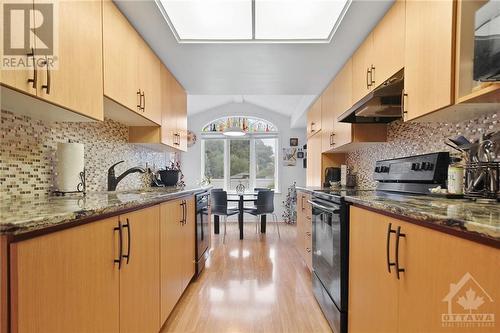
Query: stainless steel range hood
x,y
382,105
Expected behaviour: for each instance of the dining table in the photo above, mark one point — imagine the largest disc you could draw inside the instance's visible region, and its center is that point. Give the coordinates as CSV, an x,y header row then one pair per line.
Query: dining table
x,y
241,198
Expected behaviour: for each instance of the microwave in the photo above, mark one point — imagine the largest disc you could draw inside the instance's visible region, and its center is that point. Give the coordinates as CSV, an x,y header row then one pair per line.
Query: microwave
x,y
487,42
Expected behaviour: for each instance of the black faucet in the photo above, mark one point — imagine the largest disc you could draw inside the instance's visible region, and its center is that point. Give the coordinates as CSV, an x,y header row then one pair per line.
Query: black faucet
x,y
113,181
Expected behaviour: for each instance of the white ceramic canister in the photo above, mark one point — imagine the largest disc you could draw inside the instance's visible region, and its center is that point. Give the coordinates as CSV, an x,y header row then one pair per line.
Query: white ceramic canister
x,y
455,179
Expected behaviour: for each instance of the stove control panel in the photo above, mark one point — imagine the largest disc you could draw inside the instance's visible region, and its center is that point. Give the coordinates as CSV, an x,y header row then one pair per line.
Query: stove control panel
x,y
428,168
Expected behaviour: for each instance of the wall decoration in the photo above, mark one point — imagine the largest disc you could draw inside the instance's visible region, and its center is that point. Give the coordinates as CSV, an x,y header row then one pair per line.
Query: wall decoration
x,y
289,156
191,138
300,153
294,142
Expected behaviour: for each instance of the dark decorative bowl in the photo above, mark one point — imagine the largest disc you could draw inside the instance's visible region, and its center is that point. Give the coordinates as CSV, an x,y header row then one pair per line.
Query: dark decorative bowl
x,y
169,177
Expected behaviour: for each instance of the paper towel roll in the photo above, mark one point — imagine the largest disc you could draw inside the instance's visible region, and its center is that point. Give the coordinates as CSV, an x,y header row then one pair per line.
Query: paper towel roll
x,y
70,162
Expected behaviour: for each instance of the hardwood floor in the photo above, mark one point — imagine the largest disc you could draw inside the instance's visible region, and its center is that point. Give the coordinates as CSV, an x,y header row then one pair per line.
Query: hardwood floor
x,y
259,284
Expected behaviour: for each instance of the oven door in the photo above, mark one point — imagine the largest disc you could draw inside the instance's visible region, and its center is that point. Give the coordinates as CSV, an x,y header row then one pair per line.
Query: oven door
x,y
326,244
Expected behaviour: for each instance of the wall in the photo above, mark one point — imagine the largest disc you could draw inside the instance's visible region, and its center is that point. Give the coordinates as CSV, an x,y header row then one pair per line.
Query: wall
x,y
27,150
287,174
416,138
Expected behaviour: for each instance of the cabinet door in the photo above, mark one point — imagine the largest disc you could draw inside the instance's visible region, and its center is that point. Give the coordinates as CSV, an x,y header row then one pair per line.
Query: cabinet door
x,y
362,62
373,291
148,66
66,281
179,105
188,242
168,117
445,275
428,57
327,118
314,118
342,102
120,46
18,78
389,43
77,82
313,171
170,256
140,273
299,240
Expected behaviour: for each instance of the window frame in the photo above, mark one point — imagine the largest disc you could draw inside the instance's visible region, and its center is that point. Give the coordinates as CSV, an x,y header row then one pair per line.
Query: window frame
x,y
253,166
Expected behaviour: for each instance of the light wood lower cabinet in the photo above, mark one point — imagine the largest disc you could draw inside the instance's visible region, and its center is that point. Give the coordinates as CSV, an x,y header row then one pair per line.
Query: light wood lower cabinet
x,y
446,282
67,281
90,279
177,251
140,273
373,292
303,240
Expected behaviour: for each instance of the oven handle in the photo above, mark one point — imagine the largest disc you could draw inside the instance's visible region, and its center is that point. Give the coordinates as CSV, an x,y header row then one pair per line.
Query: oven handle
x,y
328,209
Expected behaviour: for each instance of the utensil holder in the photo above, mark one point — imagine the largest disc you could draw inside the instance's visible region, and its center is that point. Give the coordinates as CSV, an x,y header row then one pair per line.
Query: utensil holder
x,y
482,180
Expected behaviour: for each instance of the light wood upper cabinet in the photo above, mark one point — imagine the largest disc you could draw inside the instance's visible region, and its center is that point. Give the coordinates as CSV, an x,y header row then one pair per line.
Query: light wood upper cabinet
x,y
67,280
373,291
429,53
389,44
131,69
168,116
327,118
140,273
148,66
438,270
120,49
178,105
362,63
74,80
18,78
314,118
77,83
343,101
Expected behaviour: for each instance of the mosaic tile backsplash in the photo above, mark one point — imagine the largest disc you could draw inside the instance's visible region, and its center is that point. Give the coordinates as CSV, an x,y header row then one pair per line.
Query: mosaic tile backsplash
x,y
28,147
404,139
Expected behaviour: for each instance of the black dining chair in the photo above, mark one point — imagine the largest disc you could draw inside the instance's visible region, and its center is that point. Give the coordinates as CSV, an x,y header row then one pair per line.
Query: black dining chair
x,y
264,205
219,207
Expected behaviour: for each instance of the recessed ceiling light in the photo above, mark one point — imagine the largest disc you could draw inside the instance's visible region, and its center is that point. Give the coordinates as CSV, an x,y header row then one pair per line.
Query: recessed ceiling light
x,y
257,21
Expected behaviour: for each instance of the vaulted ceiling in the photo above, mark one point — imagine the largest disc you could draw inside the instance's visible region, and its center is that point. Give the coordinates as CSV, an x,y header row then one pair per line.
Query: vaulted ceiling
x,y
281,77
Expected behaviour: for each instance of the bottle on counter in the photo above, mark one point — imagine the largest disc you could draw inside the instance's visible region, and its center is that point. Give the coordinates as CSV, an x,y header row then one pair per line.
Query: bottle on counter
x,y
456,176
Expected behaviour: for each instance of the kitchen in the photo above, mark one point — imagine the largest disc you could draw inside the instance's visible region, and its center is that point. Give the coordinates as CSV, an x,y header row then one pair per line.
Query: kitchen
x,y
332,169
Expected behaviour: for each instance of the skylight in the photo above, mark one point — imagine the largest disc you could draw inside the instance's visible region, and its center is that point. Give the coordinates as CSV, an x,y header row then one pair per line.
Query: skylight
x,y
240,21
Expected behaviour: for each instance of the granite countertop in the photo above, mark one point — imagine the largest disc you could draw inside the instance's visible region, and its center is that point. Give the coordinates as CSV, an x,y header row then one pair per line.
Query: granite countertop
x,y
21,215
463,217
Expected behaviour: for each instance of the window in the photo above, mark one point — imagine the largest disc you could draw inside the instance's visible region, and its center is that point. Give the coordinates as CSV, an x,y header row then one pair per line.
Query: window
x,y
305,21
250,160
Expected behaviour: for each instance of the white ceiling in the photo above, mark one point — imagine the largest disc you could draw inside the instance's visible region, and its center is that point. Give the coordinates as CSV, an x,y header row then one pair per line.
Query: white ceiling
x,y
278,71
